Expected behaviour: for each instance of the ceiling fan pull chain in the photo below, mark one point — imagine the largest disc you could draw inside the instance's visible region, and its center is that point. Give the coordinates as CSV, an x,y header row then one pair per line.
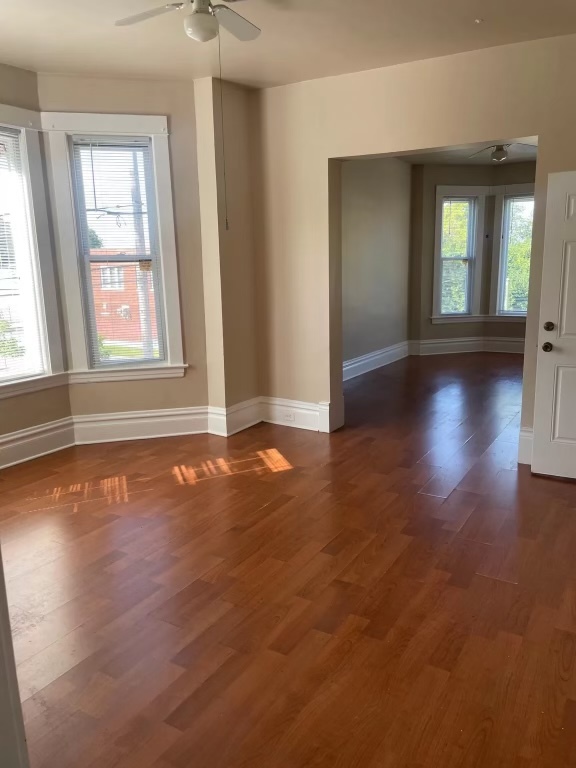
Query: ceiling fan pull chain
x,y
222,131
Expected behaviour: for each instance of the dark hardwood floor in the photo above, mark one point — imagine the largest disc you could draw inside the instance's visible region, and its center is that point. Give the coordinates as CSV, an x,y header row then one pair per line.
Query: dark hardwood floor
x,y
396,595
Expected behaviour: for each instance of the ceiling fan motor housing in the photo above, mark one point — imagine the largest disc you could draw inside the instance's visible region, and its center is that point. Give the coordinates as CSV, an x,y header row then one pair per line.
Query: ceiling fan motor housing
x,y
202,24
201,6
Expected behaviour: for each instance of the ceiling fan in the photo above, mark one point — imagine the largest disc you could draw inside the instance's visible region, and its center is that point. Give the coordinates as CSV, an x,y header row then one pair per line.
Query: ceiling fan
x,y
205,20
499,151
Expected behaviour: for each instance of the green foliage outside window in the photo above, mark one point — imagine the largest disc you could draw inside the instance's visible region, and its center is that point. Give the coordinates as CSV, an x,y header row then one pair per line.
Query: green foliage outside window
x,y
9,344
94,239
457,219
518,246
456,222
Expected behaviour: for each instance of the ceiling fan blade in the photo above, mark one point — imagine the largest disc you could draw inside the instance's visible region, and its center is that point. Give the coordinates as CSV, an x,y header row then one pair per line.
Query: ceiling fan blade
x,y
484,149
235,24
149,14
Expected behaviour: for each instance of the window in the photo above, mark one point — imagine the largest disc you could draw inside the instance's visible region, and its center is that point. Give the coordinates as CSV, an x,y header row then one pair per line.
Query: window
x,y
22,326
457,254
111,279
114,191
116,245
515,250
463,290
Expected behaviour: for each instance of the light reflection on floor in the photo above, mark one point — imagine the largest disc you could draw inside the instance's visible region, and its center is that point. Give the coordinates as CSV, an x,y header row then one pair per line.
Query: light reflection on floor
x,y
119,489
112,490
264,461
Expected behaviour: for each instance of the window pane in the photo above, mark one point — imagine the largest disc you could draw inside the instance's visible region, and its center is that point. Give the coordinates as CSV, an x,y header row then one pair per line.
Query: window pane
x,y
454,287
456,244
21,322
124,312
456,223
516,249
114,189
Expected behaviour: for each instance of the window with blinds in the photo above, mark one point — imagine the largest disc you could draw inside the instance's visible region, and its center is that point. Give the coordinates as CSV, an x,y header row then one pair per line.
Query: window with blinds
x,y
22,332
113,181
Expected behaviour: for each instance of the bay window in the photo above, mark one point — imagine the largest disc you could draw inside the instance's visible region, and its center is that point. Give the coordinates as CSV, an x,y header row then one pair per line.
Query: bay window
x,y
464,231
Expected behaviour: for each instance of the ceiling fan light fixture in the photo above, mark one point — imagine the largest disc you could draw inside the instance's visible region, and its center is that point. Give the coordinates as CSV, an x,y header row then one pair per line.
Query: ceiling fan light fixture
x,y
499,154
201,26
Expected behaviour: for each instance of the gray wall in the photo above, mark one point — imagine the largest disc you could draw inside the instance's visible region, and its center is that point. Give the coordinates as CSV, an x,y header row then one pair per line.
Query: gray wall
x,y
375,254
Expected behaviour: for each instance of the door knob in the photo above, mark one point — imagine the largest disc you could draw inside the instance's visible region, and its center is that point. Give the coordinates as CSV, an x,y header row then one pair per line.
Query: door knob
x,y
549,326
547,347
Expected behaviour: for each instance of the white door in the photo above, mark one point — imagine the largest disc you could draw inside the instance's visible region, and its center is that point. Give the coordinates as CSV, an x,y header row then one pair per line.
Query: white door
x,y
13,753
554,445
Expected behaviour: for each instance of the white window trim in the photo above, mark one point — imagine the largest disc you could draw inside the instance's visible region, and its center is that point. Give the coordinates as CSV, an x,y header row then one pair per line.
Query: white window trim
x,y
496,282
60,126
500,192
115,284
30,123
123,373
508,318
479,193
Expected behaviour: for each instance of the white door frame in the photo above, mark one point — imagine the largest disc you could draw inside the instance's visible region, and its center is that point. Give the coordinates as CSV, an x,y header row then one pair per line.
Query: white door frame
x,y
12,734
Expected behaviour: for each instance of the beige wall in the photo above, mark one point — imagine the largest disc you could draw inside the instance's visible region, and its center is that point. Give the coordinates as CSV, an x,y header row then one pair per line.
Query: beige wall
x,y
238,262
425,180
226,211
176,100
430,104
375,254
18,87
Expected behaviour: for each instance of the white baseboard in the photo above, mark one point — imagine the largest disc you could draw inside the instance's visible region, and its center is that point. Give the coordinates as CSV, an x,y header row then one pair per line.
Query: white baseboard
x,y
525,446
31,443
140,425
373,360
469,344
382,357
497,344
228,421
295,413
34,442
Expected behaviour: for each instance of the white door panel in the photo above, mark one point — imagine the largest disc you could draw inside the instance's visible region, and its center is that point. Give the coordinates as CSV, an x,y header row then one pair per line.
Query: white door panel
x,y
554,447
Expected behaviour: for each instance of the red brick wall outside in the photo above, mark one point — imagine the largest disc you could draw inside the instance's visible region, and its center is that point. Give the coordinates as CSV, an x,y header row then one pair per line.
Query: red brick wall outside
x,y
118,311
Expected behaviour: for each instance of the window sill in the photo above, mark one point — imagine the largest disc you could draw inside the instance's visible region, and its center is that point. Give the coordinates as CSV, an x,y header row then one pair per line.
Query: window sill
x,y
446,319
136,373
33,384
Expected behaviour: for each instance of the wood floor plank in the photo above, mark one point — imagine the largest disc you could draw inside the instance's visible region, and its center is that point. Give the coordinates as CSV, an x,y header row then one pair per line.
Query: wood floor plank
x,y
399,595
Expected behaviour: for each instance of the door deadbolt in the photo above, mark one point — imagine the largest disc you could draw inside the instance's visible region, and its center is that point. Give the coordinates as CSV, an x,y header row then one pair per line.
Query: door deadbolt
x,y
547,347
549,326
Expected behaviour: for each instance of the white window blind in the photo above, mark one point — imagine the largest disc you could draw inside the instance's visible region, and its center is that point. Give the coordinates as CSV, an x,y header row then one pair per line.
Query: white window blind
x,y
457,254
113,182
22,332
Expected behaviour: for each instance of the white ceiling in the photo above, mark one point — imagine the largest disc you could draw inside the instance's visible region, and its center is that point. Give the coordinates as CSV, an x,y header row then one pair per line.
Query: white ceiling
x,y
301,39
520,150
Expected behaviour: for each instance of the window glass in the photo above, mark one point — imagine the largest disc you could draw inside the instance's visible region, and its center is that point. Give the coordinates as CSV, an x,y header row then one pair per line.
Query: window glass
x,y
456,254
515,254
114,191
22,331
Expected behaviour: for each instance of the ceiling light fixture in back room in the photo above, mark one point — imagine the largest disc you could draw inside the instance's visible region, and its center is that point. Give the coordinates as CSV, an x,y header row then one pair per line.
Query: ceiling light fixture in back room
x,y
499,151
